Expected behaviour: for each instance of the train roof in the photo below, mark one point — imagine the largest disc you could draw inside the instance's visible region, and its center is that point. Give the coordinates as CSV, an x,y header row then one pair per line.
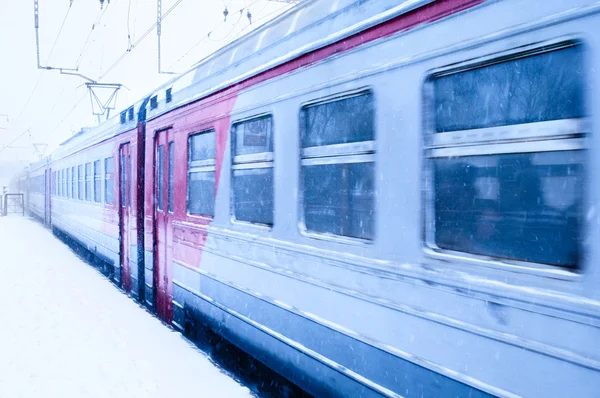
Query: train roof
x,y
302,29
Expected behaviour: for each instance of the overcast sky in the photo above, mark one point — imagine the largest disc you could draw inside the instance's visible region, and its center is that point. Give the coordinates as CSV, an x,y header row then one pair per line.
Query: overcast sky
x,y
54,106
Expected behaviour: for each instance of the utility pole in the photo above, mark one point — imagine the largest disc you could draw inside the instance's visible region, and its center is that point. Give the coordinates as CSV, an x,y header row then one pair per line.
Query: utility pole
x,y
100,106
159,33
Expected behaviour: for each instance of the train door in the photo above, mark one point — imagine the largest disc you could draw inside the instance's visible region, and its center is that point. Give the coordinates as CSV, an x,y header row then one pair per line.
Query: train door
x,y
124,212
163,218
48,197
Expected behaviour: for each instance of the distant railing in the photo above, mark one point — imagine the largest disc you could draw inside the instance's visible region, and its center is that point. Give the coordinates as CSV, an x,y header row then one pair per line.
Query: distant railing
x,y
13,203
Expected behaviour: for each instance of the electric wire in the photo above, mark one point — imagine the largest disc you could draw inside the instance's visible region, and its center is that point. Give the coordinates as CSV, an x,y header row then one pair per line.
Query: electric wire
x,y
207,37
87,39
47,61
138,41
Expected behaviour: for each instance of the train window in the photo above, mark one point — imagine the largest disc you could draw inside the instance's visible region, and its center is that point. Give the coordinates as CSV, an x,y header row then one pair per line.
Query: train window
x,y
109,181
81,190
73,183
170,177
130,114
338,170
202,146
89,182
252,153
123,180
160,166
97,182
68,190
523,90
201,173
339,121
54,183
132,187
507,158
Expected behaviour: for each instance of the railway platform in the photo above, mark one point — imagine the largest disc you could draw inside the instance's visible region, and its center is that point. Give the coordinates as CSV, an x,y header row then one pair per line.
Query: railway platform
x,y
66,332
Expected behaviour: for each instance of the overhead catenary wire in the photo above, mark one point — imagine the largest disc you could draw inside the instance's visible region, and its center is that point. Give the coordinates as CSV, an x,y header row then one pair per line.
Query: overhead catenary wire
x,y
47,61
92,30
59,33
77,103
13,141
22,112
262,18
207,37
138,41
129,25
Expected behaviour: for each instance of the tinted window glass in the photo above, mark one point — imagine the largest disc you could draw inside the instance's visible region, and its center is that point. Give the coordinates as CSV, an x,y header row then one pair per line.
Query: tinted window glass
x,y
89,178
253,193
170,177
339,199
123,182
73,183
338,122
132,189
97,180
109,183
202,193
81,182
542,87
253,136
68,183
202,146
160,166
524,207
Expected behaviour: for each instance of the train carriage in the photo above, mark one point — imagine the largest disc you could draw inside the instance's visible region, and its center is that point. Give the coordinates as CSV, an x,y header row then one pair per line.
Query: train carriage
x,y
373,198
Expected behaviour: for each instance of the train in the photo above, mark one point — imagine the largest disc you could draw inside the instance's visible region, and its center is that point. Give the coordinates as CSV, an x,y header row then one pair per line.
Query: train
x,y
373,198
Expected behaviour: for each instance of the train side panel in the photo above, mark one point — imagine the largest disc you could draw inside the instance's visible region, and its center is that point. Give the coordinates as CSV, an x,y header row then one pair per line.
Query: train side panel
x,y
350,316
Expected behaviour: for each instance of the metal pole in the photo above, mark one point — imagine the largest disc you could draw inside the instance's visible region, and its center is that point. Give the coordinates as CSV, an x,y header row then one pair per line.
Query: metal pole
x,y
158,27
36,18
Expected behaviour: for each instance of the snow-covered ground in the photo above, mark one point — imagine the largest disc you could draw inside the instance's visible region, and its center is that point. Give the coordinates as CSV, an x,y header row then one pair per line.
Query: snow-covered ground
x,y
65,331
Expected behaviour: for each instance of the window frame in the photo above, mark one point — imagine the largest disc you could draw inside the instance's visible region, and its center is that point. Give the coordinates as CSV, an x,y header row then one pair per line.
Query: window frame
x,y
97,185
353,152
160,178
260,160
107,181
170,177
69,177
205,165
540,137
81,182
73,182
89,182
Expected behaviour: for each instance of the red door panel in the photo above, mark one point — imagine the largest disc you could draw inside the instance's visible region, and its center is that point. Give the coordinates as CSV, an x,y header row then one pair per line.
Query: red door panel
x,y
163,228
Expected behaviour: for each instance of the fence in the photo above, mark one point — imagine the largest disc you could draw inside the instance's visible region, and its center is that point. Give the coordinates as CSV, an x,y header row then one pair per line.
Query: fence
x,y
13,203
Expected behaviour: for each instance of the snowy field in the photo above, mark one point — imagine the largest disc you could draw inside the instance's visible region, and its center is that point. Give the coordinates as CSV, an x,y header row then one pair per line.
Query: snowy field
x,y
67,332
